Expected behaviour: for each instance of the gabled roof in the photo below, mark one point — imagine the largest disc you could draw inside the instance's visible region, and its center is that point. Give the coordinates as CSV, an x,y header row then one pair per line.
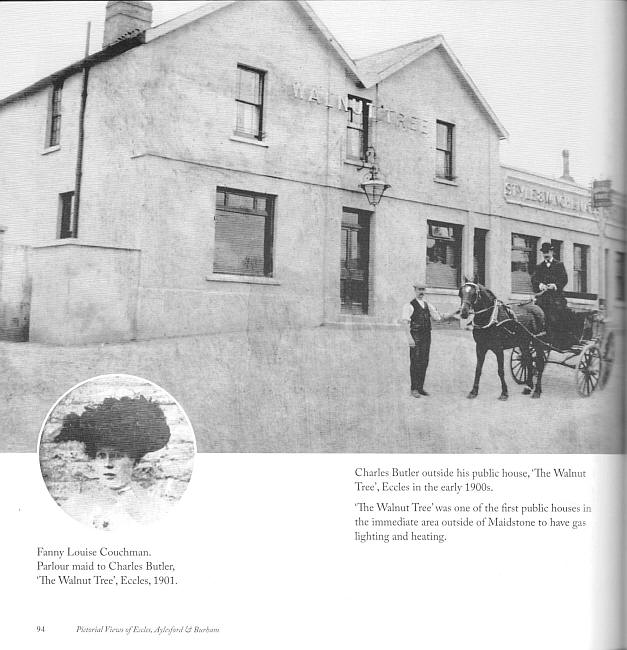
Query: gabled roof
x,y
211,7
380,65
365,72
375,68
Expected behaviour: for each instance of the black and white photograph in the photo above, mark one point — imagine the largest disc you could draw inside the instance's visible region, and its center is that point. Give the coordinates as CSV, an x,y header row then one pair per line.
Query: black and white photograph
x,y
116,451
325,253
201,206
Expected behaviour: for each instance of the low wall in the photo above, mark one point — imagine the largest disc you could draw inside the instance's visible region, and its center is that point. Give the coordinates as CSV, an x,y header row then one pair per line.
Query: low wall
x,y
15,290
83,293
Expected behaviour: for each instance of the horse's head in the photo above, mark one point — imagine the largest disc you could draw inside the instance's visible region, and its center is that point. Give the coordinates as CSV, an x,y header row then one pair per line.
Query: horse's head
x,y
468,294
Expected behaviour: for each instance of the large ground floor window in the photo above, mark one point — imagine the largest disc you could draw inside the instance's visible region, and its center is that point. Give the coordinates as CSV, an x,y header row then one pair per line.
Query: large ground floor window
x,y
524,258
444,253
244,225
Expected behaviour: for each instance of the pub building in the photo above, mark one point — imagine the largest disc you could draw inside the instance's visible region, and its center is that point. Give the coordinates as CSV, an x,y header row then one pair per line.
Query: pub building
x,y
217,172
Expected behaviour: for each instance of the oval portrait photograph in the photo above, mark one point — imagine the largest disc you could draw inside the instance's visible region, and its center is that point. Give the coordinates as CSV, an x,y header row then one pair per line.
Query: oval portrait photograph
x,y
116,451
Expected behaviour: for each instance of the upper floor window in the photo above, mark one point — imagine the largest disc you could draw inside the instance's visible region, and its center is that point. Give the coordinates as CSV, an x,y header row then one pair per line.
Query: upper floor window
x,y
249,120
444,150
244,228
67,227
357,136
444,254
580,268
524,258
53,134
620,276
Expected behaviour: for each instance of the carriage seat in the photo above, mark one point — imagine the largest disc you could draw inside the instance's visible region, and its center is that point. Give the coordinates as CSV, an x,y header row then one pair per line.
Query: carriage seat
x,y
567,327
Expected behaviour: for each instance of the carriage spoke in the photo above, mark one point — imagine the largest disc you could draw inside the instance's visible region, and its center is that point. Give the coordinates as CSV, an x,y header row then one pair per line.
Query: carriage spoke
x,y
588,370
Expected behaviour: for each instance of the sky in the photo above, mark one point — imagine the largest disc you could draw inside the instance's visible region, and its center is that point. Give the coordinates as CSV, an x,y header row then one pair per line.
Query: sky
x,y
552,71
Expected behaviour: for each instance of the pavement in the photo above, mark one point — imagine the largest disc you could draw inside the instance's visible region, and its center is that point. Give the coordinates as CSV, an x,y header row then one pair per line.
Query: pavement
x,y
325,389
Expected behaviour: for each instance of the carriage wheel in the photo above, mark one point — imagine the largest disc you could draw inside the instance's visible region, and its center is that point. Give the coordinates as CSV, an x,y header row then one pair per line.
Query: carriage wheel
x,y
519,371
588,372
608,356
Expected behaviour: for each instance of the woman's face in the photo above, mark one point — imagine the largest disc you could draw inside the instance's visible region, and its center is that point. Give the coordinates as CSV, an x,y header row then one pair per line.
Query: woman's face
x,y
113,468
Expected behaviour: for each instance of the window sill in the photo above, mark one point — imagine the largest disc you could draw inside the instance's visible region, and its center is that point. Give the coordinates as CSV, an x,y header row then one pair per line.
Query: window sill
x,y
51,149
441,291
242,279
445,181
254,141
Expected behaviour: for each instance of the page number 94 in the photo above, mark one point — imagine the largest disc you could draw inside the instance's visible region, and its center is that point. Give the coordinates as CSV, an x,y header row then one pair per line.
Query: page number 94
x,y
40,628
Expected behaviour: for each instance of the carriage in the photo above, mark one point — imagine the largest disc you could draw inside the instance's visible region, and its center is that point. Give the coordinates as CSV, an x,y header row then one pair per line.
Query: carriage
x,y
591,354
579,339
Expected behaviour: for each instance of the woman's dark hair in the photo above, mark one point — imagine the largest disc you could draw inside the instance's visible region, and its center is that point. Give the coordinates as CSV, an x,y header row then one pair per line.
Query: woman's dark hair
x,y
134,426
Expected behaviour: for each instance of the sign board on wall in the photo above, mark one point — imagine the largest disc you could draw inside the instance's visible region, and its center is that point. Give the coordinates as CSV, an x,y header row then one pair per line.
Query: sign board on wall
x,y
545,198
343,102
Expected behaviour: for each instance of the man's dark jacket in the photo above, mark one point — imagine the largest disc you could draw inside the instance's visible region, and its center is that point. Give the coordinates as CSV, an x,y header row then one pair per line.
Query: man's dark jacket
x,y
556,275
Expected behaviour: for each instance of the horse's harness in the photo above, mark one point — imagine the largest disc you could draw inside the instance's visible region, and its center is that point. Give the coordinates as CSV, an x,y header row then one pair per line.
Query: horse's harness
x,y
495,309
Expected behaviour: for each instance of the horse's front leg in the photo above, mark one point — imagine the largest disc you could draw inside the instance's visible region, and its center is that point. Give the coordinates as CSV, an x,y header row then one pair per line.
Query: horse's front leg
x,y
528,368
481,352
540,369
501,370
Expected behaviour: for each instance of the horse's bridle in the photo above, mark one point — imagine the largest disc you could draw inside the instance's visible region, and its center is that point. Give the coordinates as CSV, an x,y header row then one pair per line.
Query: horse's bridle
x,y
471,305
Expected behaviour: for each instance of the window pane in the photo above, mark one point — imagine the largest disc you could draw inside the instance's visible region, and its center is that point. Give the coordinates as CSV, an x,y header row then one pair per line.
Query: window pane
x,y
442,136
65,226
441,167
443,256
249,86
523,262
55,131
350,218
354,143
247,119
620,276
241,201
243,233
239,244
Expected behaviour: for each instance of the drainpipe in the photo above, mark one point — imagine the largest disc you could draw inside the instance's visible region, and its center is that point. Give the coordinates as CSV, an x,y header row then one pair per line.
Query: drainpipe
x,y
81,139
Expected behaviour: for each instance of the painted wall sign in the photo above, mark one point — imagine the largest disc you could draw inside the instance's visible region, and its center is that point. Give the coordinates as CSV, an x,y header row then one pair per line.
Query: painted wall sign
x,y
546,199
341,102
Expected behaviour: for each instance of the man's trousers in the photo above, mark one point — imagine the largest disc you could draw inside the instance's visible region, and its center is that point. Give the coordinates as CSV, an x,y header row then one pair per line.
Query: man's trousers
x,y
419,359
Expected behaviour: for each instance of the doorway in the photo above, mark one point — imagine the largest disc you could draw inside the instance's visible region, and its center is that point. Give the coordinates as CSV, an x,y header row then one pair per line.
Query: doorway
x,y
354,261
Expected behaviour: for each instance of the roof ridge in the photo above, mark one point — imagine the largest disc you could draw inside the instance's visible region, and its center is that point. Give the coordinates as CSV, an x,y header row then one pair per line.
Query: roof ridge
x,y
398,47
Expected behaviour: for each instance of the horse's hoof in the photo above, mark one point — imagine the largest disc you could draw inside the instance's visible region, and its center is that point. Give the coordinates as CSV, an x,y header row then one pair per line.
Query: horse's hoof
x,y
526,391
471,395
535,396
503,398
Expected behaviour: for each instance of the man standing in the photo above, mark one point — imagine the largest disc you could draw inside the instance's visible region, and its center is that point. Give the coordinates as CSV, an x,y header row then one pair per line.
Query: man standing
x,y
417,316
550,277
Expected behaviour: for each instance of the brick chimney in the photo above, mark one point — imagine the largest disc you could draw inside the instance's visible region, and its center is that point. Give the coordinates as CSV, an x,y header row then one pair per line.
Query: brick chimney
x,y
566,167
124,19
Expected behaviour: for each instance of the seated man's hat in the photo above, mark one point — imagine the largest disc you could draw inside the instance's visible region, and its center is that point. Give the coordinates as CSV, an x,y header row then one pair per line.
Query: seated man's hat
x,y
546,247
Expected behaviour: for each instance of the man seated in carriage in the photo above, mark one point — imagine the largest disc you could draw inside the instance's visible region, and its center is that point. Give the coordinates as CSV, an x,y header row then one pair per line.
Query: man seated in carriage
x,y
550,278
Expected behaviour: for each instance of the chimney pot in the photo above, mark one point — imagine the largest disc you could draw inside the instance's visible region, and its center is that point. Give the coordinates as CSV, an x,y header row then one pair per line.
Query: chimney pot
x,y
566,167
125,18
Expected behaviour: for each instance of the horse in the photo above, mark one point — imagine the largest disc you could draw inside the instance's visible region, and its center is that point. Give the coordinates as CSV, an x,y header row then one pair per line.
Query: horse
x,y
497,328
